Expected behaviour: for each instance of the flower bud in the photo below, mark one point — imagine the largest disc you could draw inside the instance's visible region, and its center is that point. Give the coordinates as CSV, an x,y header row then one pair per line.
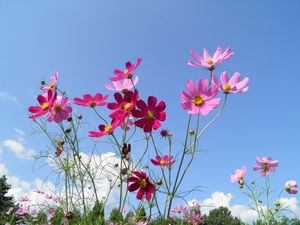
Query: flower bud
x,y
69,119
124,171
79,116
68,130
69,215
191,132
159,182
126,148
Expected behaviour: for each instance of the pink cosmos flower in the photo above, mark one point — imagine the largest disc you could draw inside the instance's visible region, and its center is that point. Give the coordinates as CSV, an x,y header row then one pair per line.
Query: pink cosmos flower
x,y
238,176
163,161
24,199
90,101
141,181
150,115
52,84
179,209
291,187
234,85
22,211
128,72
124,86
104,130
46,102
60,111
199,99
266,165
208,61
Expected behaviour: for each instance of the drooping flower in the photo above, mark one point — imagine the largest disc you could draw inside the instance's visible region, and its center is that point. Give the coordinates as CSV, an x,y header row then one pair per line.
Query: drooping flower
x,y
52,84
291,187
46,102
104,130
60,111
234,85
141,181
90,101
163,161
266,165
199,99
149,115
208,61
128,72
238,176
124,86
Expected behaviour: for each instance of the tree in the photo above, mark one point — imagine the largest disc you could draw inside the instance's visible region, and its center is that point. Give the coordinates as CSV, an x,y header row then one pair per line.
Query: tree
x,y
221,216
5,201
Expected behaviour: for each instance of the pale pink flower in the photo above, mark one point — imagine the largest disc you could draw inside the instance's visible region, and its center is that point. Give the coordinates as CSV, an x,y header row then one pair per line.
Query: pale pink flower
x,y
124,86
291,187
266,165
234,85
238,176
22,211
60,111
24,199
52,84
91,101
209,61
199,99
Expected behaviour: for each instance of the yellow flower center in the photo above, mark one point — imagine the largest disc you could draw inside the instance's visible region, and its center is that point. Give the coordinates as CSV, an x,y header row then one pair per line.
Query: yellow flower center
x,y
126,72
198,100
162,162
227,87
143,183
51,85
107,128
45,105
210,61
57,108
149,115
127,106
93,104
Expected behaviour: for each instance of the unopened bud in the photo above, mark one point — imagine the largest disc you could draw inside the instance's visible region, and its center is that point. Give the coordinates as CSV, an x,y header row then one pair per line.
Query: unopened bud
x,y
68,130
79,116
69,119
126,148
159,182
191,132
124,171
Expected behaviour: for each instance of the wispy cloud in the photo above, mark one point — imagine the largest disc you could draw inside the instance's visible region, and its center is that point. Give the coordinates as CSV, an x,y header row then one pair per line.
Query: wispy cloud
x,y
4,96
18,149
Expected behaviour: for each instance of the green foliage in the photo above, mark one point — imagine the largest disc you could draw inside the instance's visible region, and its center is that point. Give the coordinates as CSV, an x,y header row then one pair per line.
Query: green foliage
x,y
283,221
5,201
221,216
97,214
115,215
141,214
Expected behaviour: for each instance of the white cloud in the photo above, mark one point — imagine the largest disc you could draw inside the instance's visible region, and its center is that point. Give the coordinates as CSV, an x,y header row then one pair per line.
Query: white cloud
x,y
18,149
242,211
3,169
8,97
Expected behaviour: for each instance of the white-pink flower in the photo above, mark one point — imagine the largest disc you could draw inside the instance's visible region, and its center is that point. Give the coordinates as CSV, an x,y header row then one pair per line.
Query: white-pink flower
x,y
122,86
291,187
232,85
266,165
238,176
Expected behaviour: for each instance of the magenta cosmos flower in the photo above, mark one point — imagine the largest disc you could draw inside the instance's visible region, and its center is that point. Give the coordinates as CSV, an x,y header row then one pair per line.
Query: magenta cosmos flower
x,y
124,86
163,161
46,102
238,176
123,105
208,61
60,111
53,83
234,85
149,115
141,181
291,187
90,101
266,165
199,99
104,130
128,72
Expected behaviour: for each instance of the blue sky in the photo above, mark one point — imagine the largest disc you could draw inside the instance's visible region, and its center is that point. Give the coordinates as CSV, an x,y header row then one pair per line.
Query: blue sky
x,y
85,40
